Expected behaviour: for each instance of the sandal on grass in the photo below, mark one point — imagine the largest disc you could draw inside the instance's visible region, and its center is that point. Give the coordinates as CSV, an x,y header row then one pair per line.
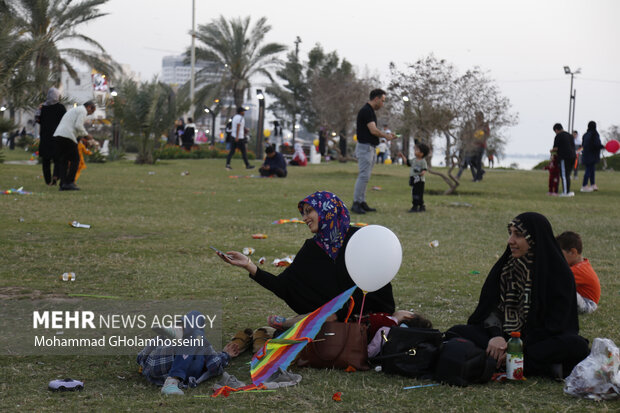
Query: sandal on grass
x,y
260,336
242,339
277,322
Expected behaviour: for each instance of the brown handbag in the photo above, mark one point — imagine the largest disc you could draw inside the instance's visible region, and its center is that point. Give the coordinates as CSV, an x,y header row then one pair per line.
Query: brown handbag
x,y
338,345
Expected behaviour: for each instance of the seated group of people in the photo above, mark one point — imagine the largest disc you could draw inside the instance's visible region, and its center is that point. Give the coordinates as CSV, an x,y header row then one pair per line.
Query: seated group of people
x,y
530,289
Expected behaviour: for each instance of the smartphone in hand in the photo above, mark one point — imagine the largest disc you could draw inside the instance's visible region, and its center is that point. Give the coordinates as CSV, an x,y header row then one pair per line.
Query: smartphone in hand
x,y
221,253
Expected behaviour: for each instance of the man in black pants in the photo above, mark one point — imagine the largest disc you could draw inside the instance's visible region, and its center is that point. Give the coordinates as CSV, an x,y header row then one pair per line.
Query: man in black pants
x,y
564,144
71,127
238,134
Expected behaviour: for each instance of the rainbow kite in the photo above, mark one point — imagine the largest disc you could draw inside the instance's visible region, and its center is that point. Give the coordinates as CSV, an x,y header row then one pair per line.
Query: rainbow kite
x,y
281,351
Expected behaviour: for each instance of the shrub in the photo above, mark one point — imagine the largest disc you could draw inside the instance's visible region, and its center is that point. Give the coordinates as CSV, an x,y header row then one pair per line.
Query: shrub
x,y
197,152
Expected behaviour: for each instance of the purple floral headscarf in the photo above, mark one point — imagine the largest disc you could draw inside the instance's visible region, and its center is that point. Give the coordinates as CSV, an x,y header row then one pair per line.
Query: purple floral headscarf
x,y
333,220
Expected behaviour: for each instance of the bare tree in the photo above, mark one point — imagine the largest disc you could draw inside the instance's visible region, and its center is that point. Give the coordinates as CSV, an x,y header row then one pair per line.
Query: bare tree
x,y
441,104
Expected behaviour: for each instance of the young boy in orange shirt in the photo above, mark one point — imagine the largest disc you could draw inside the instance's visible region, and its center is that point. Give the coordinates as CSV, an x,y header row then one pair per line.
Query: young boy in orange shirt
x,y
586,280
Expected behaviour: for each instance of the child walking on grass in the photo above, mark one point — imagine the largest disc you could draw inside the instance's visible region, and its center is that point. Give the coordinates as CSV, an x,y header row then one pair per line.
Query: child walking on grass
x,y
416,177
554,174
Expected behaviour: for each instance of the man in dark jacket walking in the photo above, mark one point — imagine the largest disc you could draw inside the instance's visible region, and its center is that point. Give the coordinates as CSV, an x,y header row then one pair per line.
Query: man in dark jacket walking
x,y
564,144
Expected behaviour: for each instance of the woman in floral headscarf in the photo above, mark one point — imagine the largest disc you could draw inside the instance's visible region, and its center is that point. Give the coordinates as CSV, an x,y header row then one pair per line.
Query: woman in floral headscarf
x,y
531,289
318,272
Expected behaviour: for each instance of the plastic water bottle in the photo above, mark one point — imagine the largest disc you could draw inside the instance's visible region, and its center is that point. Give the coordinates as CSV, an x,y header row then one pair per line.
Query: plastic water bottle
x,y
514,357
68,276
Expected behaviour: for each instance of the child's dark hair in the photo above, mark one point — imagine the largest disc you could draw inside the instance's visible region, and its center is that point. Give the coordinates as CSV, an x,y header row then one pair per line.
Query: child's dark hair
x,y
568,240
419,321
423,148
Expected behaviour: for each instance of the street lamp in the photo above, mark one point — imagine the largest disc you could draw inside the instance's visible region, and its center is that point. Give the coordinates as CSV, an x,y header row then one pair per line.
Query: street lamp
x,y
213,116
406,111
261,122
573,96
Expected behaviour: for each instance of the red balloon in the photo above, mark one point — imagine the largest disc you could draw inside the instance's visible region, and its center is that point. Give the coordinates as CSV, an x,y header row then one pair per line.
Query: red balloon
x,y
612,146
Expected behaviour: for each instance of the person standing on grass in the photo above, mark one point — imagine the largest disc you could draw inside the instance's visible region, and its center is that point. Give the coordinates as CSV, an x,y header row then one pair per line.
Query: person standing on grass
x,y
188,134
564,144
70,128
416,177
367,140
590,156
52,112
239,140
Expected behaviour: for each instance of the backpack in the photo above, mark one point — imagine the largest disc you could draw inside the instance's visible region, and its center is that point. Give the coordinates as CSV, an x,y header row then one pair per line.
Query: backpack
x,y
462,363
410,352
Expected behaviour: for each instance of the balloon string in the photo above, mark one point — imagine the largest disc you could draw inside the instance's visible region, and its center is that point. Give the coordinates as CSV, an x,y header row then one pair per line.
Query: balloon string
x,y
362,309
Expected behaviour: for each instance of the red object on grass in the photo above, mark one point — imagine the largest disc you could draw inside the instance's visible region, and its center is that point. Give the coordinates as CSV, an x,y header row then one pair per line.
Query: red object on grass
x,y
612,146
337,397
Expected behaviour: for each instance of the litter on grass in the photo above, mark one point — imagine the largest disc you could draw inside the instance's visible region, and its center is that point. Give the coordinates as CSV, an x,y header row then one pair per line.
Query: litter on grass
x,y
68,276
248,251
288,221
76,224
259,236
461,204
359,224
284,262
18,191
420,386
433,244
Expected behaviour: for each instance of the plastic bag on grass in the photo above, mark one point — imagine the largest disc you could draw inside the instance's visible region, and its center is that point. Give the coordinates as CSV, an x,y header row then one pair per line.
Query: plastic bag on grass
x,y
598,376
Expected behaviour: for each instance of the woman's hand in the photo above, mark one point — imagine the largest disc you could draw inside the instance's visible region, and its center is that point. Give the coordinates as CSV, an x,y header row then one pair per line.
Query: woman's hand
x,y
239,260
497,349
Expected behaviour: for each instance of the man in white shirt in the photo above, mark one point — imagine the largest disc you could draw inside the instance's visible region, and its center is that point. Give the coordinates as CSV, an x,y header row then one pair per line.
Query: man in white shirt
x,y
239,139
70,128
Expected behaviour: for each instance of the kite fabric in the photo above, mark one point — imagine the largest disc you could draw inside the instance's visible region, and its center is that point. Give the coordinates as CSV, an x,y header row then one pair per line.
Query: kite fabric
x,y
281,351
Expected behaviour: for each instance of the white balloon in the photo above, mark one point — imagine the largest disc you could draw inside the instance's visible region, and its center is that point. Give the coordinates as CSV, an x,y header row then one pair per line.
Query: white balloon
x,y
373,257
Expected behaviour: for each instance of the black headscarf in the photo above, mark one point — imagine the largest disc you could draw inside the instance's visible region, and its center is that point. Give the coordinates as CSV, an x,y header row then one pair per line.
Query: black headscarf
x,y
553,304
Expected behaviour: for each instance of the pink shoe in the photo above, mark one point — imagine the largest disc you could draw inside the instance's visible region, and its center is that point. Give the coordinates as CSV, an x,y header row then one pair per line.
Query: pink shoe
x,y
594,187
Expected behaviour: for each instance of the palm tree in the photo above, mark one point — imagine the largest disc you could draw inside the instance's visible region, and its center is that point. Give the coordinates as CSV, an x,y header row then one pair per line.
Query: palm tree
x,y
239,51
52,22
17,86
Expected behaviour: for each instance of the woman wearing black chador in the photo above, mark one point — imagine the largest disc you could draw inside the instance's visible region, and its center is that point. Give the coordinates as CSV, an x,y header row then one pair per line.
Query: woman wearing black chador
x,y
531,289
52,112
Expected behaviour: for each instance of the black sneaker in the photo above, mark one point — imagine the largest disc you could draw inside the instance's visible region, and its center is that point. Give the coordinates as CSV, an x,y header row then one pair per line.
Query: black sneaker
x,y
69,187
356,208
228,168
422,208
366,208
249,167
414,209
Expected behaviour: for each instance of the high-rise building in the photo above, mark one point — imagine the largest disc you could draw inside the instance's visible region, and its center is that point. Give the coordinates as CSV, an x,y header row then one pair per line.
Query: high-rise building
x,y
175,72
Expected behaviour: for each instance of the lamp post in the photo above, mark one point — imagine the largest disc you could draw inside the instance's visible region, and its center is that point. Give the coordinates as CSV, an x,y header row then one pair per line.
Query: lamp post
x,y
116,133
406,110
213,116
573,95
261,122
192,78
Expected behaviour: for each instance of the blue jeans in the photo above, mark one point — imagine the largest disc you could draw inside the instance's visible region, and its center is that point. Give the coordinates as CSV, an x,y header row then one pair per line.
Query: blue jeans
x,y
366,155
589,174
186,362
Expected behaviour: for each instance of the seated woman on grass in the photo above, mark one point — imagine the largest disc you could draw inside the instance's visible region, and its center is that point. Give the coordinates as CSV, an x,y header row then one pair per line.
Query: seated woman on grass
x,y
531,290
318,272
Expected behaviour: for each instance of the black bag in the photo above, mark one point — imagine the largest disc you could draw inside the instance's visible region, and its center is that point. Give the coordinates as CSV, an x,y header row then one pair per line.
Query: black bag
x,y
462,363
410,352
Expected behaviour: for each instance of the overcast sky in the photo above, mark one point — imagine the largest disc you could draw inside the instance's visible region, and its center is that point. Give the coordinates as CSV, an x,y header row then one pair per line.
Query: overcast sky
x,y
523,44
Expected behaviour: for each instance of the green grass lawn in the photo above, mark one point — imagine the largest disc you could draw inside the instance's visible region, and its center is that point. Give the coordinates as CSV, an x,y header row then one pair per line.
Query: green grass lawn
x,y
151,228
